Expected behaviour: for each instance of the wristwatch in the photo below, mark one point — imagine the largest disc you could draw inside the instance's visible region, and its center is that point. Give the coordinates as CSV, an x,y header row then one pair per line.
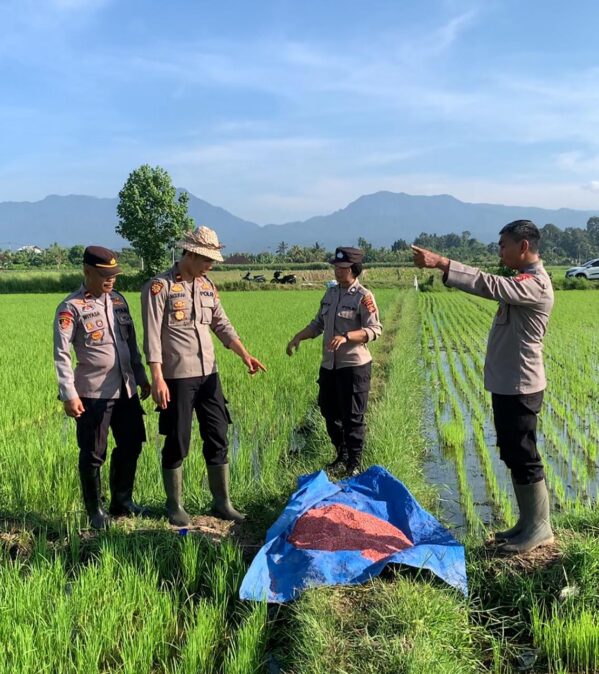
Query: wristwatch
x,y
344,334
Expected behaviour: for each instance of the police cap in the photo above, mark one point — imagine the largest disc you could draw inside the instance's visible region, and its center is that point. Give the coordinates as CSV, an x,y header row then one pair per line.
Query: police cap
x,y
345,257
102,259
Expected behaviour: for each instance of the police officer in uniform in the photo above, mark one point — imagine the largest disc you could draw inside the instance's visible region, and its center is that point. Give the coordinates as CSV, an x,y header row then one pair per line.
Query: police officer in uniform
x,y
100,393
180,307
514,371
349,318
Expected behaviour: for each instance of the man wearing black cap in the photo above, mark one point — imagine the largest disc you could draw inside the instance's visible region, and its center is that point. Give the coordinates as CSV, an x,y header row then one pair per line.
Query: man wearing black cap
x,y
100,392
349,318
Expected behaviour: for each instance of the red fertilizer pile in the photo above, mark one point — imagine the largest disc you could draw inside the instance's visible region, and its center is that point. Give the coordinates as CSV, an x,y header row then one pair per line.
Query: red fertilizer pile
x,y
339,527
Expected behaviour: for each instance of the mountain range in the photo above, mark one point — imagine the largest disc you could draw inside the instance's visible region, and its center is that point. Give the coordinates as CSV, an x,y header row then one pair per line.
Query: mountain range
x,y
381,218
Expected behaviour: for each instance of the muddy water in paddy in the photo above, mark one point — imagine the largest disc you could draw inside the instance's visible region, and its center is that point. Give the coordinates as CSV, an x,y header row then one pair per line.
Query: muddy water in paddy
x,y
440,468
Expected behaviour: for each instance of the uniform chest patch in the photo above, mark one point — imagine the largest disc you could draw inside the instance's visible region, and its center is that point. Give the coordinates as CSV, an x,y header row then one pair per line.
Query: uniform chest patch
x,y
156,287
177,288
97,335
179,315
523,277
179,304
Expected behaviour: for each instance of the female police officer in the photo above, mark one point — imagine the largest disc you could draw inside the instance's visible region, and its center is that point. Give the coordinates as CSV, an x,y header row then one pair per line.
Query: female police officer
x,y
348,317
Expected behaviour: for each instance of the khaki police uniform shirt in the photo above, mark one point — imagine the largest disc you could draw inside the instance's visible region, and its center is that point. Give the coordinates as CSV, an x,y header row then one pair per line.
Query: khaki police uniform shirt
x,y
514,360
345,310
178,316
101,332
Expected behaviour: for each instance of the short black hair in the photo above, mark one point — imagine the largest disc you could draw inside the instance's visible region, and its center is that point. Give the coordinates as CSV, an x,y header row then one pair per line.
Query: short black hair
x,y
520,230
356,269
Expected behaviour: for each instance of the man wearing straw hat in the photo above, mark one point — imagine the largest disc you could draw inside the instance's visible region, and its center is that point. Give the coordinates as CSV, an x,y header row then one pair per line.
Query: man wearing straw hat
x,y
179,308
100,392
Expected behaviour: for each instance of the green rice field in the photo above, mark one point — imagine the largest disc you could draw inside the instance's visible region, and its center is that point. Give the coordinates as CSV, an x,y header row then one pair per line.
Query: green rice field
x,y
140,597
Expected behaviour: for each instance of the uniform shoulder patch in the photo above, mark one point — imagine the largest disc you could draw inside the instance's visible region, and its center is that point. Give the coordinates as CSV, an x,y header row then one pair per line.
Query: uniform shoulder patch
x,y
156,286
368,302
117,298
523,277
65,318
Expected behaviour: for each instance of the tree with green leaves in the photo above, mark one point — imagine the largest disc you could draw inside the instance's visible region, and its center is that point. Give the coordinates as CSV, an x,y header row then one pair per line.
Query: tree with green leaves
x,y
152,217
55,256
75,255
593,229
282,249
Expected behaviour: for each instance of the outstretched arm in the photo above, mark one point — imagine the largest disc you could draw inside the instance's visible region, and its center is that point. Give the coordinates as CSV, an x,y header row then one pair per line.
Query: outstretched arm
x,y
307,333
253,364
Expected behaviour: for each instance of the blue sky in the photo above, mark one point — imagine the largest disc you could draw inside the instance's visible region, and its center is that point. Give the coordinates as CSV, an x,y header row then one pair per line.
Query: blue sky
x,y
282,110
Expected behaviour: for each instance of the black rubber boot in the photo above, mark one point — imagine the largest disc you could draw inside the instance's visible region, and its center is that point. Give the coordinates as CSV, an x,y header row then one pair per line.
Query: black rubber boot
x,y
218,481
353,465
340,460
173,486
91,490
122,478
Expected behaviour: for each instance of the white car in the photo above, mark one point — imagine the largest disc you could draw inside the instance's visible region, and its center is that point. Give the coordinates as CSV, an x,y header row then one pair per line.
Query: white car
x,y
589,270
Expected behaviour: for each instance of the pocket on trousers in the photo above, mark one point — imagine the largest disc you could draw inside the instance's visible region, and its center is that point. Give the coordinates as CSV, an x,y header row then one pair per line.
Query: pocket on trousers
x,y
360,390
166,421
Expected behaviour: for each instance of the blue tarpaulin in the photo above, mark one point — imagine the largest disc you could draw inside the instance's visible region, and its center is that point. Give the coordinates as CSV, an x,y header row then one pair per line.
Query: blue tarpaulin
x,y
281,570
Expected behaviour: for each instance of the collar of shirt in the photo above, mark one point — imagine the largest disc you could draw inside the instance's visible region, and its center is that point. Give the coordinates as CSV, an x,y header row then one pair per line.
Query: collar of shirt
x,y
533,267
175,274
92,298
351,290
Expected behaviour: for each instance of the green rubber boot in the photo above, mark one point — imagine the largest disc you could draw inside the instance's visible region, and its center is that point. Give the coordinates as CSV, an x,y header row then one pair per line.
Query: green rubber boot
x,y
501,536
536,525
173,486
218,481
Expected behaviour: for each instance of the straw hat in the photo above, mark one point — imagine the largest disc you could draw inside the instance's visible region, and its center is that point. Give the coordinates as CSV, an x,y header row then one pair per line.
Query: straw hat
x,y
202,241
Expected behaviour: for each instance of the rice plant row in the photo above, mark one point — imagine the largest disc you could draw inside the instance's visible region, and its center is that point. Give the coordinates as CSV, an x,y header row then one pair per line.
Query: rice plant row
x,y
454,333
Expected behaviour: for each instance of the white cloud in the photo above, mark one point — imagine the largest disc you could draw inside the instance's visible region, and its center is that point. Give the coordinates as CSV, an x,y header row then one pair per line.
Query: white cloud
x,y
593,186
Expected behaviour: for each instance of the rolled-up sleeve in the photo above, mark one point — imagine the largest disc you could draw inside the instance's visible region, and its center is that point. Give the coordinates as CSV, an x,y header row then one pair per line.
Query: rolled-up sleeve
x,y
369,317
152,313
523,289
64,334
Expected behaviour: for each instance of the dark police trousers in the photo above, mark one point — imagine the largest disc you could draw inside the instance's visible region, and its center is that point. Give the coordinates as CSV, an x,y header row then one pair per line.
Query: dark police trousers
x,y
204,395
124,416
343,399
515,419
